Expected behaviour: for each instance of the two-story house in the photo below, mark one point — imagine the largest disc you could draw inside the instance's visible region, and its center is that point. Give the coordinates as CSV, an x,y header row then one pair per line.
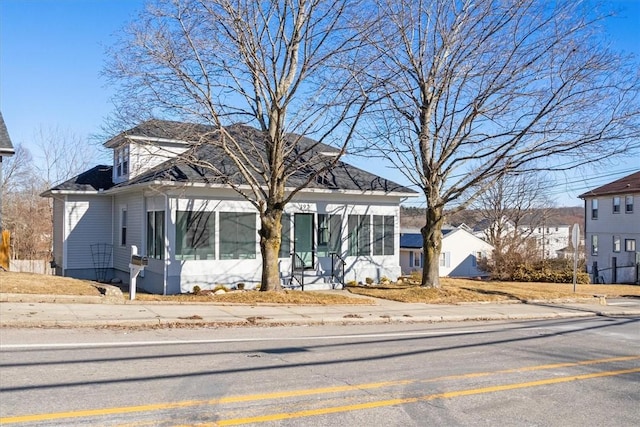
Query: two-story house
x,y
550,238
612,230
197,230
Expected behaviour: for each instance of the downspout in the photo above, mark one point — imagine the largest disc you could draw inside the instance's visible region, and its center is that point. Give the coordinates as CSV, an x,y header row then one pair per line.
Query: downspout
x,y
166,242
64,236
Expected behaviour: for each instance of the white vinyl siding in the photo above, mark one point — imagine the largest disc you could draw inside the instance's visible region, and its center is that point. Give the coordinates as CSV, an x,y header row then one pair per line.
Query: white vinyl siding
x,y
58,232
135,221
88,223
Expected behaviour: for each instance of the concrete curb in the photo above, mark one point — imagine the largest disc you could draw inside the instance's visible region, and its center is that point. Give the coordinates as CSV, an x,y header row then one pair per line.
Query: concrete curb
x,y
72,311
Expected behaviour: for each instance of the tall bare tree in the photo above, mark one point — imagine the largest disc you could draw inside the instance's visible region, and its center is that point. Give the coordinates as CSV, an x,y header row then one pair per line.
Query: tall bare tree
x,y
26,215
475,89
512,208
287,67
61,154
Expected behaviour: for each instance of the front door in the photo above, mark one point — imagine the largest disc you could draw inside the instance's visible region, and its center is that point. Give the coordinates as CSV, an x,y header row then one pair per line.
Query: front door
x,y
303,238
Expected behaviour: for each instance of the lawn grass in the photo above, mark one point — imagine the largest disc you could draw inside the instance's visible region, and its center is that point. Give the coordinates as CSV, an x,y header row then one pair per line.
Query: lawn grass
x,y
464,290
453,291
255,297
30,283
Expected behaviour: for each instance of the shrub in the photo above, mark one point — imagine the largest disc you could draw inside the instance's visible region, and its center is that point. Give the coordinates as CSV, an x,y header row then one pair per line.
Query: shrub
x,y
196,290
369,280
351,283
219,288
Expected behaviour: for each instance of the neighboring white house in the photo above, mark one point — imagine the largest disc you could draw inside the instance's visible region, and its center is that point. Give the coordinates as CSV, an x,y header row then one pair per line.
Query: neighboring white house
x,y
550,239
612,230
461,251
196,230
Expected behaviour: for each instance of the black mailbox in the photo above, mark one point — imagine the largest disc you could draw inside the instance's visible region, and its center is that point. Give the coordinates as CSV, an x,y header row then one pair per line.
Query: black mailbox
x,y
139,260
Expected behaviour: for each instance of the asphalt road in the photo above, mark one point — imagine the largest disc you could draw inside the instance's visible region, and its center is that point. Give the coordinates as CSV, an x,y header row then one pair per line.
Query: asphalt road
x,y
569,372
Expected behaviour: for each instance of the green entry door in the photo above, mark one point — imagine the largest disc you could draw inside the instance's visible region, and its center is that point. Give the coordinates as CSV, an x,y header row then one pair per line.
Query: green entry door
x,y
303,235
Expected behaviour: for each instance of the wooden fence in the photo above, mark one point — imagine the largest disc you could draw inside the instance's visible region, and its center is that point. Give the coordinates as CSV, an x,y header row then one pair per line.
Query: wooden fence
x,y
39,266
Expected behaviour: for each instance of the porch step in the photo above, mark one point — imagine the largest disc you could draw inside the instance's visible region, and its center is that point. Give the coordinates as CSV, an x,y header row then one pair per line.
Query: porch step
x,y
314,281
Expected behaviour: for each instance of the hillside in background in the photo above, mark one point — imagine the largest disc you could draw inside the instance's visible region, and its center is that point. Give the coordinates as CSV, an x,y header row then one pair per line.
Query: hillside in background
x,y
411,217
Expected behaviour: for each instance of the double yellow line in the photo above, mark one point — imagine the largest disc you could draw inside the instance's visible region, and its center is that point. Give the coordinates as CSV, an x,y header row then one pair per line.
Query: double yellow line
x,y
345,388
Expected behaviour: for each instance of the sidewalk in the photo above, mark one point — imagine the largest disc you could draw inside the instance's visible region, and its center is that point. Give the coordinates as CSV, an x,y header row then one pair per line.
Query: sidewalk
x,y
20,310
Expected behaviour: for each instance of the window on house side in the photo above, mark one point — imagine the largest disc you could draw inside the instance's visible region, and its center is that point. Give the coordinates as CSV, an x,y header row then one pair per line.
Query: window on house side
x,y
359,235
594,245
417,258
329,234
616,205
285,243
123,226
594,209
445,259
238,235
155,234
616,243
383,235
630,245
195,235
125,160
628,204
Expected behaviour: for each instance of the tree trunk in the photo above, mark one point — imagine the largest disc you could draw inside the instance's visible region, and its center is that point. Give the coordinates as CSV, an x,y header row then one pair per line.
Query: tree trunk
x,y
432,247
270,235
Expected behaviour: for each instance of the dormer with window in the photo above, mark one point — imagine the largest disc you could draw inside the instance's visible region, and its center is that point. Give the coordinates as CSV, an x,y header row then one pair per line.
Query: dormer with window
x,y
121,163
145,147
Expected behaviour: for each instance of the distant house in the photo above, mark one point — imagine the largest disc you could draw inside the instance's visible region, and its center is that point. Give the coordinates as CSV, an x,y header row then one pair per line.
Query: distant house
x,y
196,230
6,150
461,251
550,239
612,230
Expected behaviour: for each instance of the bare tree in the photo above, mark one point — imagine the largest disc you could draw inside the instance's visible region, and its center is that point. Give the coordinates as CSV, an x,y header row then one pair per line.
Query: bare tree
x,y
286,67
17,171
26,215
512,208
62,154
476,89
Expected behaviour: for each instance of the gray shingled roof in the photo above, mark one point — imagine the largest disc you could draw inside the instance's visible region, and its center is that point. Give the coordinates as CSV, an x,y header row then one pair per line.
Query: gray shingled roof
x,y
96,178
626,185
6,148
414,240
183,169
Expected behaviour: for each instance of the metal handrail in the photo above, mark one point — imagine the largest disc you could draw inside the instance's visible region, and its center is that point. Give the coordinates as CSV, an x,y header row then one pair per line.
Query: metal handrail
x,y
340,278
297,266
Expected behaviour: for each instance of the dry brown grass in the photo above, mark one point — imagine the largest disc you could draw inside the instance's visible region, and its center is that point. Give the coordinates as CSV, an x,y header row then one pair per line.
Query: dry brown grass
x,y
256,297
453,291
462,290
29,283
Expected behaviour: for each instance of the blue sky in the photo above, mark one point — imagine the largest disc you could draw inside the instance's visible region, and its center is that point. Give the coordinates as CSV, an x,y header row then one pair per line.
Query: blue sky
x,y
52,53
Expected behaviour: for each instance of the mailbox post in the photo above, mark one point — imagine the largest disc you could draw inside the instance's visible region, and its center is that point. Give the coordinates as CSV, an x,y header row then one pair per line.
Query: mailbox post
x,y
136,265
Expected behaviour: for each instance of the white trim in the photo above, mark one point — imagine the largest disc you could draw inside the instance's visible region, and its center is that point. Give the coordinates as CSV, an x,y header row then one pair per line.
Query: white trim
x,y
64,236
167,254
249,188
